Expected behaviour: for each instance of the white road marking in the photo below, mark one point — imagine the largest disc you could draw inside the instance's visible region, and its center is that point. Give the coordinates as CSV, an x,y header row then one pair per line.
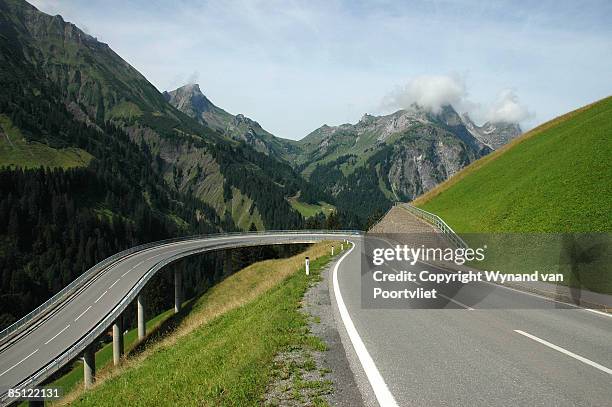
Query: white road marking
x,y
381,391
57,334
149,258
101,295
456,302
113,284
445,297
12,367
81,314
605,314
199,242
565,351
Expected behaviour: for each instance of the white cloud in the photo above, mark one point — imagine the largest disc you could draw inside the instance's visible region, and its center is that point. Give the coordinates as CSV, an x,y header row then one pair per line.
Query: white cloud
x,y
193,77
428,91
508,108
434,91
293,65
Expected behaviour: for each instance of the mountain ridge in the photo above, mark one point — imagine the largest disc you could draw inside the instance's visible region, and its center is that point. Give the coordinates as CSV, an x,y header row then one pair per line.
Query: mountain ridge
x,y
190,100
562,170
97,86
493,134
393,157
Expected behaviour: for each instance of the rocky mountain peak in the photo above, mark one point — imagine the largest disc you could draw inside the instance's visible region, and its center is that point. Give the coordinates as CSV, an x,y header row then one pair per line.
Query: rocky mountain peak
x,y
366,118
449,116
190,100
492,134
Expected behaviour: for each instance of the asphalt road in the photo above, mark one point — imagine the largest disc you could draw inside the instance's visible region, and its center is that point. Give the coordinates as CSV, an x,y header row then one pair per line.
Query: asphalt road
x,y
86,310
529,351
490,346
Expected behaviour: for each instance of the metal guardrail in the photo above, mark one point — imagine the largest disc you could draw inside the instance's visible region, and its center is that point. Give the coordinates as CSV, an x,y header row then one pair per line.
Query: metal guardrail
x,y
437,222
79,346
87,275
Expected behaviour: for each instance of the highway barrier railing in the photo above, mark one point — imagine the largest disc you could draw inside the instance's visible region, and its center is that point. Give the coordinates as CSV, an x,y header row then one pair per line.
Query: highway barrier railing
x,y
87,275
77,348
436,222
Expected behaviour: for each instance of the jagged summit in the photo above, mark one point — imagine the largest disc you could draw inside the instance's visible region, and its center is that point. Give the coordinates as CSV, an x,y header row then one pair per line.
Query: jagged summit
x,y
492,134
395,156
190,100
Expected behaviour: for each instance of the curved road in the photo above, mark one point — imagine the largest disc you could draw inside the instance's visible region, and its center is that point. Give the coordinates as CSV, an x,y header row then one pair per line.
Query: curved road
x,y
483,345
480,345
39,344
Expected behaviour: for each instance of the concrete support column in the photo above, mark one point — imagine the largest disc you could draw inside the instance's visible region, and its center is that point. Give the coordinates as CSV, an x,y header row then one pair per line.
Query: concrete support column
x,y
178,290
142,323
227,263
89,366
117,340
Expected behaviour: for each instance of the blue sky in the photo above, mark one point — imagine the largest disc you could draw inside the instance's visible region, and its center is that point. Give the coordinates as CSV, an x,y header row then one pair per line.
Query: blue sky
x,y
294,65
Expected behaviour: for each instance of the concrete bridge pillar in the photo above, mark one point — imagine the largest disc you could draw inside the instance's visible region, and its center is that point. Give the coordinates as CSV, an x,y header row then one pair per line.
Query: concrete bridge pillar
x,y
227,263
178,290
142,323
89,366
117,340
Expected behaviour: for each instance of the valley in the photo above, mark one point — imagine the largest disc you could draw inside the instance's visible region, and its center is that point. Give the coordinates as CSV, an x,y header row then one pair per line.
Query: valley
x,y
305,203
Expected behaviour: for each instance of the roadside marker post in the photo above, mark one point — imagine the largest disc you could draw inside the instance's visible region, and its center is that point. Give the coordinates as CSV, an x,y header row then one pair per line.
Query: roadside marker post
x,y
332,250
307,264
341,246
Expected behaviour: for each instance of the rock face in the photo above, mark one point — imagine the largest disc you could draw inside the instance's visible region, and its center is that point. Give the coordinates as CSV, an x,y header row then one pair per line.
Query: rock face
x,y
45,58
392,157
190,100
494,135
367,165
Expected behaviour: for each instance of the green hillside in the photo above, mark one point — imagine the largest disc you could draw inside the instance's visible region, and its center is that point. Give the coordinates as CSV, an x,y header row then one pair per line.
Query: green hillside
x,y
47,64
223,352
16,151
556,178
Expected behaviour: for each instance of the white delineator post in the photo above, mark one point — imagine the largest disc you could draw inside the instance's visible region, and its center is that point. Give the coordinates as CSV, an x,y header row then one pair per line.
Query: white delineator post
x,y
307,265
178,290
332,250
341,246
142,324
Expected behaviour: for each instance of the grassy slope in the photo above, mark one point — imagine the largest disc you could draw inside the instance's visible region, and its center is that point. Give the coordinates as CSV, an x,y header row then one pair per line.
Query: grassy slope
x,y
222,354
554,178
15,151
308,210
104,356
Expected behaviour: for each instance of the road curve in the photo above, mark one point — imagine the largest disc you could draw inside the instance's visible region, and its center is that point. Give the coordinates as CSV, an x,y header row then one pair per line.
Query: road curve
x,y
53,338
504,348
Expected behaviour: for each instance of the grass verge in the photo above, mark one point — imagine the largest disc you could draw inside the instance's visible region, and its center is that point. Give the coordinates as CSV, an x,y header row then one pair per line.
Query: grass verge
x,y
74,378
223,352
